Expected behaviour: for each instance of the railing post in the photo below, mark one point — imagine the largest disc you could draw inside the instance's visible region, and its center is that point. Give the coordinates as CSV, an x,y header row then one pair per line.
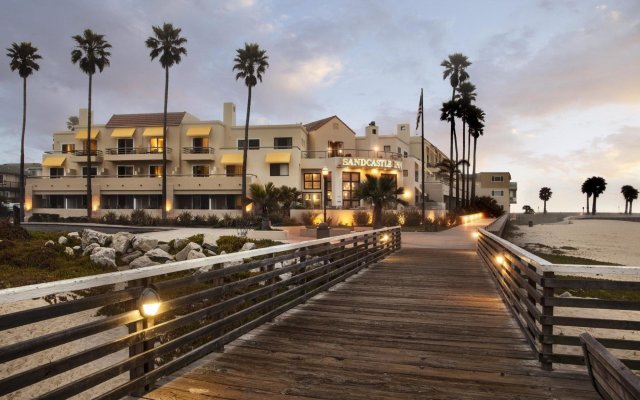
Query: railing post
x,y
547,326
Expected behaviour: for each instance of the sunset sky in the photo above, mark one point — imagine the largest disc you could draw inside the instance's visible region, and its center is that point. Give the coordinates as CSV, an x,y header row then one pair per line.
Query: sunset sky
x,y
558,80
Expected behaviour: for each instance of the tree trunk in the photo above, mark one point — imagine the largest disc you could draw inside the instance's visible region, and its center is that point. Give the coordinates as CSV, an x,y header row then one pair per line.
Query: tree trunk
x,y
24,126
464,177
88,150
377,216
473,183
468,168
593,209
588,205
164,145
630,207
545,206
456,170
244,158
626,206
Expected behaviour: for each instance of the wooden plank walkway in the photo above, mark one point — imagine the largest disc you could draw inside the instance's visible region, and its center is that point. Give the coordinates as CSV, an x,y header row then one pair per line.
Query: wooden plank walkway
x,y
422,324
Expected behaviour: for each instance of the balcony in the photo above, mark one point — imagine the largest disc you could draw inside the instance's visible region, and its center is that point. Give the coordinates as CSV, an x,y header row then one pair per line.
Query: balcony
x,y
389,155
197,153
136,154
80,156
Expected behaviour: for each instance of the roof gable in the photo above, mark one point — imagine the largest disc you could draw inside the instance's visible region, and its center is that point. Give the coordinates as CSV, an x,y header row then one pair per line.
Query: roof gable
x,y
315,125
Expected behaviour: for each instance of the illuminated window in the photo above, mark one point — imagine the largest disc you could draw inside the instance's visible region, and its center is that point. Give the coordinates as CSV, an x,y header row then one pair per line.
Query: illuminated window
x,y
200,170
68,148
155,171
156,145
350,183
312,181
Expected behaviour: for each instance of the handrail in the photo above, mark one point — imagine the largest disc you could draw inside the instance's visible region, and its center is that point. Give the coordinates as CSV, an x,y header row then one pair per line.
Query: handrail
x,y
198,150
135,150
136,176
77,153
205,303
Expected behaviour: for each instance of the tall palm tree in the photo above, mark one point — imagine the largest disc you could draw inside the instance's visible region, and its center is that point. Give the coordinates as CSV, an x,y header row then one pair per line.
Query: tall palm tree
x,y
266,198
545,194
381,192
23,59
250,64
630,194
587,188
448,113
598,185
468,95
168,45
475,120
92,54
455,69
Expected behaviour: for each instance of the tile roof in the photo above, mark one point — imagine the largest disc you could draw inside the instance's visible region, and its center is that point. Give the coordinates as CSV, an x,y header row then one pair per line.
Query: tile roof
x,y
152,119
315,125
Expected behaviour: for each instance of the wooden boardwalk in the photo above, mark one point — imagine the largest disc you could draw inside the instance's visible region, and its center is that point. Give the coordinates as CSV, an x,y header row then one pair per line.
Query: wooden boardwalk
x,y
422,324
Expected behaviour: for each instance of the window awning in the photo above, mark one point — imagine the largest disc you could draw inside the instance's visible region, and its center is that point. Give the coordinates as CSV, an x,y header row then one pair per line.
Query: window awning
x,y
153,132
232,159
53,161
123,132
198,131
81,134
278,158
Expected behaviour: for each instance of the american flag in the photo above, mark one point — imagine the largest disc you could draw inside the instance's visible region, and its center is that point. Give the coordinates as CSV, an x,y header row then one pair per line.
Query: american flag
x,y
419,111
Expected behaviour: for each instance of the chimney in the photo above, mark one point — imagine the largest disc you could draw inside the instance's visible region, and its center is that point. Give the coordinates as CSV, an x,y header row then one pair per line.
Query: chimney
x,y
229,114
403,132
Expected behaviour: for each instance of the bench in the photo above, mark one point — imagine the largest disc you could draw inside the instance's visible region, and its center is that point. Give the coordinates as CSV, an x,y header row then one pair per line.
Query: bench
x,y
610,377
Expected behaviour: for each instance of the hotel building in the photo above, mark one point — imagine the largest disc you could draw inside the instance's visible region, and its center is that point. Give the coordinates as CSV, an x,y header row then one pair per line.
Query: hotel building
x,y
204,164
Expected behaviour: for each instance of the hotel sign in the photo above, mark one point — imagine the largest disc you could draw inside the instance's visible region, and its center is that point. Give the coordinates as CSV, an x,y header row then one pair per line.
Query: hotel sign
x,y
371,162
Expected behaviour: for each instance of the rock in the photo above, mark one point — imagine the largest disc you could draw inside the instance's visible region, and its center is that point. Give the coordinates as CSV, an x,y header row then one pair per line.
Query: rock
x,y
49,243
69,251
132,256
89,249
63,240
193,254
142,262
209,246
164,246
565,294
77,249
121,242
180,243
209,253
182,254
104,256
73,235
144,243
248,246
90,236
159,255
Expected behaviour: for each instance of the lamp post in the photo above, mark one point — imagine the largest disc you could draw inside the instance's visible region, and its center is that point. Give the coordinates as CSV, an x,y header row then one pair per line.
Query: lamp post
x,y
323,228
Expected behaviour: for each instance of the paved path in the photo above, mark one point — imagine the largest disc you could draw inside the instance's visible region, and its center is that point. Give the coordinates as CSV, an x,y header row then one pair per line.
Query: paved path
x,y
426,323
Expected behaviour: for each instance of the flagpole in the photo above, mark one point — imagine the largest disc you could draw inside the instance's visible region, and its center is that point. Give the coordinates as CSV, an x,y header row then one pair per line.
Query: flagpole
x,y
422,148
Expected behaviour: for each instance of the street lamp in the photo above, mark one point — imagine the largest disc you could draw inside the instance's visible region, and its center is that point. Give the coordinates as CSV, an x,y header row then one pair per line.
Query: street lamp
x,y
325,173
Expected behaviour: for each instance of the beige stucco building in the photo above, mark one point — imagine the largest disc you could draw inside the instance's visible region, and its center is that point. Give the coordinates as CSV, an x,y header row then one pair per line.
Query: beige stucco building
x,y
499,186
204,163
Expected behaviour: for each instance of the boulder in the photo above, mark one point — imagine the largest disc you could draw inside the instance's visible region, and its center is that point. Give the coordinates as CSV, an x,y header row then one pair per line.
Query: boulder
x,y
164,246
121,242
132,256
210,246
89,248
248,246
63,240
77,249
104,256
159,255
209,253
69,251
141,262
182,254
90,236
144,243
193,254
73,235
180,243
49,243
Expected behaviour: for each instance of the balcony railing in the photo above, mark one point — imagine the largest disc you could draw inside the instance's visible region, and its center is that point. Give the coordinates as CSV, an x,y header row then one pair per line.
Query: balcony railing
x,y
136,150
78,153
352,153
197,150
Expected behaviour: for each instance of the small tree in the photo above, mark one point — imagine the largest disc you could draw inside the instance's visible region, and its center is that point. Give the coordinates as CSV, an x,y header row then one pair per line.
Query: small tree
x,y
545,195
599,185
630,194
528,210
266,199
289,197
381,192
72,122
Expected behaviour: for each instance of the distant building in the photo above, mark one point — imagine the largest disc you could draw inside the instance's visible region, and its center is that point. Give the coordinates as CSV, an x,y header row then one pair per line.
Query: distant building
x,y
10,179
499,186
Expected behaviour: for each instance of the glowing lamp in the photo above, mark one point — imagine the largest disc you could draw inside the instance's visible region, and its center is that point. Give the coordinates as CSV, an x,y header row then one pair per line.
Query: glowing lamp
x,y
149,302
500,260
475,235
384,238
325,171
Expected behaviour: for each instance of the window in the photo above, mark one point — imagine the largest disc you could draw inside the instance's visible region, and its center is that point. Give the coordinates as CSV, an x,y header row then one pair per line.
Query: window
x,y
407,155
417,173
387,149
125,146
200,170
68,148
312,200
117,201
156,145
1,178
399,150
56,172
312,181
335,149
350,182
193,202
282,143
93,147
405,173
151,201
279,169
125,171
497,178
233,170
254,144
200,142
403,127
374,131
94,171
497,193
155,171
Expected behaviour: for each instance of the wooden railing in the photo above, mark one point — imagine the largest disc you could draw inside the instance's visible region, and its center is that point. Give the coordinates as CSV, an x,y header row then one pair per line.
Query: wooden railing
x,y
205,303
534,289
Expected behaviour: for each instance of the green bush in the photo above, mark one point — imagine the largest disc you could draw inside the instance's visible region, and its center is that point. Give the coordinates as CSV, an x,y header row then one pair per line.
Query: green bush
x,y
123,219
276,218
361,218
141,218
307,218
390,218
487,205
412,217
213,220
199,220
12,232
198,238
227,221
184,219
110,218
231,244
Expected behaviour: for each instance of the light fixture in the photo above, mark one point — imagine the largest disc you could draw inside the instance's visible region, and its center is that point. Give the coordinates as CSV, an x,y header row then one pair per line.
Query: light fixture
x,y
499,260
325,171
149,302
384,238
475,235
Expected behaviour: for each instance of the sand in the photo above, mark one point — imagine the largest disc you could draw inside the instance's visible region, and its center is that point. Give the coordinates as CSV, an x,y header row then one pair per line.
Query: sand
x,y
602,240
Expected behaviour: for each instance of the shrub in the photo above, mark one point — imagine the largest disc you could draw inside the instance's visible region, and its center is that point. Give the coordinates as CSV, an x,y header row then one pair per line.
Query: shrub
x,y
289,221
199,220
487,205
412,217
307,218
227,221
141,217
361,218
275,218
12,232
198,238
213,220
184,219
110,218
230,244
390,218
123,219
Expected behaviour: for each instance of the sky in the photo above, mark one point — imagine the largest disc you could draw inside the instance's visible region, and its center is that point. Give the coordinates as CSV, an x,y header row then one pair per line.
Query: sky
x,y
559,80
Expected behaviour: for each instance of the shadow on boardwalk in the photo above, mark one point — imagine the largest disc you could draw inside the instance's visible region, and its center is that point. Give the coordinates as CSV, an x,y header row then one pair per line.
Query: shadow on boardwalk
x,y
422,324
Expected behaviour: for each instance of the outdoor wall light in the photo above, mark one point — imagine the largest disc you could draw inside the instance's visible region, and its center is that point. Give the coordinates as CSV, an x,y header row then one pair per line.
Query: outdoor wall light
x,y
475,234
149,302
384,238
499,259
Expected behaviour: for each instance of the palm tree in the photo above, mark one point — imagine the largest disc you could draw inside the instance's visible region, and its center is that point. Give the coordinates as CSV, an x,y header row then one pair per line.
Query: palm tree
x,y
455,69
23,59
288,197
381,192
545,194
167,45
72,121
587,189
448,113
250,64
266,198
630,194
598,185
91,53
475,120
467,92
